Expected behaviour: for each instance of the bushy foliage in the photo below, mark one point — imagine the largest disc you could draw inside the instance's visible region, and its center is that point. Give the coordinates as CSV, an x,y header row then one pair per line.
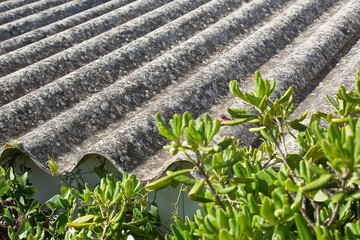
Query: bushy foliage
x,y
312,194
112,210
245,192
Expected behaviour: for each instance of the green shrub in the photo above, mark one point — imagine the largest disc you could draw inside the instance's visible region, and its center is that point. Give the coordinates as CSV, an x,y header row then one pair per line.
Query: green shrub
x,y
312,194
245,192
112,210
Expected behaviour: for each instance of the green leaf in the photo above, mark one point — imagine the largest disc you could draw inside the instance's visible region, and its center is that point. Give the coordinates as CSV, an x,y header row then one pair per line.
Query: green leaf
x,y
185,180
221,219
286,95
84,219
4,186
33,207
234,89
239,113
8,217
176,126
225,235
176,232
236,122
79,225
298,126
53,167
164,132
22,179
283,233
267,211
164,181
236,158
244,179
302,227
320,196
208,128
257,129
291,186
9,175
317,184
352,231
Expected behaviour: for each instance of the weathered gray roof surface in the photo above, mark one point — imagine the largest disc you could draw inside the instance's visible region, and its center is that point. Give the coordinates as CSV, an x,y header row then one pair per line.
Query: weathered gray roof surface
x,y
87,76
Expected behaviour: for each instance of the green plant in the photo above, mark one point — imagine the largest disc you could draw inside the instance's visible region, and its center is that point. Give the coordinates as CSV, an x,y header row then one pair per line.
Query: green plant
x,y
114,210
311,194
22,216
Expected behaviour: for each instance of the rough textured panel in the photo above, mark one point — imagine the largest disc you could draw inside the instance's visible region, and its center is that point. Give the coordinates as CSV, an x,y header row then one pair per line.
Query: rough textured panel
x,y
53,14
88,29
51,29
90,50
28,10
5,6
96,87
95,76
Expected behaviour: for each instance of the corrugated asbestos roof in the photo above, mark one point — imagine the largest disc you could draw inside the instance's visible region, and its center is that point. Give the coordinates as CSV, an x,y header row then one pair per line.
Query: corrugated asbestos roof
x,y
87,76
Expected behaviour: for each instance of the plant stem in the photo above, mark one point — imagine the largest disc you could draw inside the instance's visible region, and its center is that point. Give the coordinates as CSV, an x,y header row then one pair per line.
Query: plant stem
x,y
331,219
357,204
104,231
317,212
212,190
303,213
282,134
292,173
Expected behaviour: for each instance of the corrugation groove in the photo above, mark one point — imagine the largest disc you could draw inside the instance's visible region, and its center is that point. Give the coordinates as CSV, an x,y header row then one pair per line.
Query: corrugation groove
x,y
93,77
97,46
93,81
51,29
29,9
53,14
94,27
202,90
5,6
49,16
276,34
103,109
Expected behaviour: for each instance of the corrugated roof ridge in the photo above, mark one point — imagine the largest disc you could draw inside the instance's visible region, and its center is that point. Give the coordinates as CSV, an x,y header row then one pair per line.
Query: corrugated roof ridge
x,y
319,49
97,102
29,9
97,25
314,46
59,26
93,48
5,6
133,137
51,15
32,53
87,73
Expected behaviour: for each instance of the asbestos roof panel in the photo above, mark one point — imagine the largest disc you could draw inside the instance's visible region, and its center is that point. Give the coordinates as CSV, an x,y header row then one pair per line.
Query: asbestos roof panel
x,y
87,77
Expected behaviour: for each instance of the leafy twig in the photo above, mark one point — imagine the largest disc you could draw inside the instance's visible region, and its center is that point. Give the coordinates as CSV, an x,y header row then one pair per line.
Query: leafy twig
x,y
292,173
212,189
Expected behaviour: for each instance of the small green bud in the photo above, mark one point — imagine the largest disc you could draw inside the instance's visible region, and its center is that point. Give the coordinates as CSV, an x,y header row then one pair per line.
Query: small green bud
x,y
173,151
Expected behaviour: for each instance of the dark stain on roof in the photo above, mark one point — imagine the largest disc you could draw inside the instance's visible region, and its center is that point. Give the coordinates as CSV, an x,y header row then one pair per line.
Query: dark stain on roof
x,y
87,76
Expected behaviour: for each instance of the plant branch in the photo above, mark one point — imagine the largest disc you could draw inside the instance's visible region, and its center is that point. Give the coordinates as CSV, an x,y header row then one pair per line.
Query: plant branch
x,y
292,173
282,134
303,213
212,190
331,219
317,212
104,231
357,204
